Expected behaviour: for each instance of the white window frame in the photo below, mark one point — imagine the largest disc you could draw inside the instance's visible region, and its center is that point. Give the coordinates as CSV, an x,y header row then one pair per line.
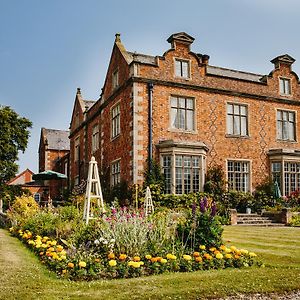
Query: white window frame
x,y
285,86
169,169
182,68
237,123
116,120
115,172
180,113
95,138
283,127
235,186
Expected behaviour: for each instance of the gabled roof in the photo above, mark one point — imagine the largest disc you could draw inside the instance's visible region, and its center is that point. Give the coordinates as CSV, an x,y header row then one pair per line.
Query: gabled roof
x,y
22,178
285,58
182,37
56,139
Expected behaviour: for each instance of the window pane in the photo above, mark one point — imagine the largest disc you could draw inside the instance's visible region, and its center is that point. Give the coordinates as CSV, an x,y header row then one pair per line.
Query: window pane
x,y
236,124
281,86
177,68
229,108
244,126
229,124
185,69
173,117
190,103
174,102
190,120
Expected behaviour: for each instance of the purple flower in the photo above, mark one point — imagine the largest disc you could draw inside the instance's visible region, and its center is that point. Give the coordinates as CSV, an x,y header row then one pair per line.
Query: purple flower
x,y
213,209
194,210
205,202
202,206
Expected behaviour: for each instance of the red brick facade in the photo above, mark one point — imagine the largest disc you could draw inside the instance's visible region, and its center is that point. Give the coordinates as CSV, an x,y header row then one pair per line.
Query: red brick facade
x,y
200,129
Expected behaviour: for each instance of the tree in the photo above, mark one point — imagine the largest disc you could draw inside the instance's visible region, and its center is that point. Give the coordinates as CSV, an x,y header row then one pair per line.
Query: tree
x,y
14,137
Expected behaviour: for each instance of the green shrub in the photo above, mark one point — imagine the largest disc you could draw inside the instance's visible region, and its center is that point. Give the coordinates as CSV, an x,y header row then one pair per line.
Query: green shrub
x,y
201,226
295,221
23,208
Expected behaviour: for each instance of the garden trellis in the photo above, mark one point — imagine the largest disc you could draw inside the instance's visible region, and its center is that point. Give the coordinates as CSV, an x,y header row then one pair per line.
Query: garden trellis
x,y
148,204
93,191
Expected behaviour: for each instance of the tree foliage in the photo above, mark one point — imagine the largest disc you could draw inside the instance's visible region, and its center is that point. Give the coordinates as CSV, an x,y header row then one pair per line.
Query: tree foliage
x,y
14,137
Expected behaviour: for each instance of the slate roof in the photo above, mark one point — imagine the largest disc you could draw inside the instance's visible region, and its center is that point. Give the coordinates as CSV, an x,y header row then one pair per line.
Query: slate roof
x,y
56,139
212,70
142,58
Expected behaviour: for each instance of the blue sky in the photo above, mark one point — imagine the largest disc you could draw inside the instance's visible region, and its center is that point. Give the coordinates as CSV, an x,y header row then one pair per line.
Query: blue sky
x,y
49,48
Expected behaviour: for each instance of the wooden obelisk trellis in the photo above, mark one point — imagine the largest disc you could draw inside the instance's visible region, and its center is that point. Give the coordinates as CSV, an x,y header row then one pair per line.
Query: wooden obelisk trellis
x,y
148,204
93,191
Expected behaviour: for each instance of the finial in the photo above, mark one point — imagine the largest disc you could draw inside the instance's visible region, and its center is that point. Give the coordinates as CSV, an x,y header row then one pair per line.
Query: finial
x,y
78,91
117,39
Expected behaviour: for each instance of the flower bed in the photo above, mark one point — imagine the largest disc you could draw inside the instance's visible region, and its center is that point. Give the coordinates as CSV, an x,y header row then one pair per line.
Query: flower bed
x,y
124,243
83,265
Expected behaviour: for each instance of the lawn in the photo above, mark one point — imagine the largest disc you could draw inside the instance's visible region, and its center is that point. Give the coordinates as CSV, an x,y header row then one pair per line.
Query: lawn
x,y
23,277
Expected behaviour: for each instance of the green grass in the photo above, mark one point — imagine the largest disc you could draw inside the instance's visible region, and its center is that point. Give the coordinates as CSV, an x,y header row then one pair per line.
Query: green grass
x,y
23,277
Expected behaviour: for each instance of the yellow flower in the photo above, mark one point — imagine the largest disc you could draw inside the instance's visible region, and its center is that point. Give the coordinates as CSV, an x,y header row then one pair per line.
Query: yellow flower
x,y
11,229
97,260
163,261
41,253
223,247
196,254
227,250
148,256
112,263
207,256
136,258
43,245
53,243
233,248
228,256
243,251
252,254
64,271
70,265
212,249
111,255
219,256
51,249
122,256
25,236
63,257
55,255
171,256
202,247
134,264
82,264
59,248
31,242
187,257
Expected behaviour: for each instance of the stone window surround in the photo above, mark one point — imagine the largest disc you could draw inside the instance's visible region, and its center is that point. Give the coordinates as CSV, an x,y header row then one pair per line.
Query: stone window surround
x,y
115,162
189,77
283,155
240,160
282,78
77,148
173,129
115,79
295,124
170,147
95,139
112,136
247,115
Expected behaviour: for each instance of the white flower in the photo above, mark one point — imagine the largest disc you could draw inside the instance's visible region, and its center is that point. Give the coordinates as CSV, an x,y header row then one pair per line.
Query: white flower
x,y
105,242
112,241
96,242
101,239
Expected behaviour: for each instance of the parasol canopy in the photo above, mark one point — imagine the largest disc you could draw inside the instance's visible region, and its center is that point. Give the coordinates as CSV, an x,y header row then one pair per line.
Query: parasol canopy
x,y
48,175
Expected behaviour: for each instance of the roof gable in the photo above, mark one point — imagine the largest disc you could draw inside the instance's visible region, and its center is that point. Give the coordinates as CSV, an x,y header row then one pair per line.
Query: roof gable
x,y
56,139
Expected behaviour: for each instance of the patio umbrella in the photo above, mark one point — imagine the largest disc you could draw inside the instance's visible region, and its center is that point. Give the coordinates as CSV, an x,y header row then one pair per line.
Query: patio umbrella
x,y
48,175
277,192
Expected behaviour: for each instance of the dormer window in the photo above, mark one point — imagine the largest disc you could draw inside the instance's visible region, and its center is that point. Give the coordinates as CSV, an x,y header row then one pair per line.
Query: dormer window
x,y
285,86
182,68
115,79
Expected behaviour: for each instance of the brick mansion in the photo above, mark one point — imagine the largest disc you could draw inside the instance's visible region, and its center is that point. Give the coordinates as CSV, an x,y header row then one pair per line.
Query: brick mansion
x,y
187,115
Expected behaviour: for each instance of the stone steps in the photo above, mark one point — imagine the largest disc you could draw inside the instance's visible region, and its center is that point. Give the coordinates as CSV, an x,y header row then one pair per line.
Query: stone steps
x,y
256,220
